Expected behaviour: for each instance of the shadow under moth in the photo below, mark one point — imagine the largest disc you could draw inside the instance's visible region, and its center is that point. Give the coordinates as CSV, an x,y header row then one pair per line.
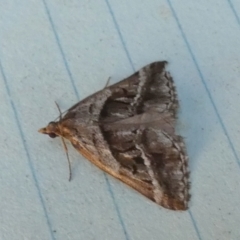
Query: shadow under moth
x,y
128,130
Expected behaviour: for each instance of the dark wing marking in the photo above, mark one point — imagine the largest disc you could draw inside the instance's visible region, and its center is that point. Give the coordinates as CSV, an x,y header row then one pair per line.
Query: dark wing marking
x,y
132,135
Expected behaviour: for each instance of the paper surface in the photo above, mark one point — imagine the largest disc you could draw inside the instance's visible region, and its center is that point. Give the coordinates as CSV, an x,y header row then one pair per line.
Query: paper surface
x,y
65,50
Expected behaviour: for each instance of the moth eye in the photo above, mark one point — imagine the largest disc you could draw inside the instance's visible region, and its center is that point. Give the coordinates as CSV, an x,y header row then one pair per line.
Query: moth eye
x,y
52,135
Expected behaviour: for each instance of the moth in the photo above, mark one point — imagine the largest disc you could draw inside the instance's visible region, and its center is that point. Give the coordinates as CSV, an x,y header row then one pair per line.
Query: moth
x,y
128,130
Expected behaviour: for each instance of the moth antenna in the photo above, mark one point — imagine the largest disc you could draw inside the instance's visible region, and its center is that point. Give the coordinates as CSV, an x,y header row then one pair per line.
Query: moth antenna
x,y
64,144
69,163
107,82
60,113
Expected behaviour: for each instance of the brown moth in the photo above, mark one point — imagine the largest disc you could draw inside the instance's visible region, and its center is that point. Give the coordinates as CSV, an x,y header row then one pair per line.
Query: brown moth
x,y
127,130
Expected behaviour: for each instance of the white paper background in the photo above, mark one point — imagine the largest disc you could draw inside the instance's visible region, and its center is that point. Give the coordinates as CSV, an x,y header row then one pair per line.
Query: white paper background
x,y
64,50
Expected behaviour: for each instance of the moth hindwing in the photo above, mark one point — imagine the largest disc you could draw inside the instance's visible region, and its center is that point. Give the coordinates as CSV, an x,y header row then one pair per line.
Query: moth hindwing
x,y
128,131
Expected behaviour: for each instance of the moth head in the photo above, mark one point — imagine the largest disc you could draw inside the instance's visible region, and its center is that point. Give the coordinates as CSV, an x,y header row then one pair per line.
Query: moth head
x,y
52,130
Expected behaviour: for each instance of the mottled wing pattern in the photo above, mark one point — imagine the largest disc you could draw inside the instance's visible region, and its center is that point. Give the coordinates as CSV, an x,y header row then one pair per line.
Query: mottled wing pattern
x,y
151,88
127,130
137,121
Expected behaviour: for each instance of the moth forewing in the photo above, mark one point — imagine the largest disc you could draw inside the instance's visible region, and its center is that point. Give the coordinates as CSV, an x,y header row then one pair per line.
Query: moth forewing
x,y
128,131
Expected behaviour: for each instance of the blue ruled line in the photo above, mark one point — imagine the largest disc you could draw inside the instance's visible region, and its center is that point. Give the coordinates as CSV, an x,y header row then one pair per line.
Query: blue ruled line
x,y
120,34
77,95
29,160
234,11
204,84
61,49
195,224
116,206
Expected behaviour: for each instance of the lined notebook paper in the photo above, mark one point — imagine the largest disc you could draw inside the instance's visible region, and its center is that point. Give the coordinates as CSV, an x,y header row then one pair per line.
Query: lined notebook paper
x,y
65,50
